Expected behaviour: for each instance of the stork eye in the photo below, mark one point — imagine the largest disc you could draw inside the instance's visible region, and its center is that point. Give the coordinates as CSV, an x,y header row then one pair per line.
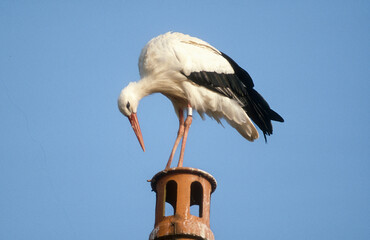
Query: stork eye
x,y
128,105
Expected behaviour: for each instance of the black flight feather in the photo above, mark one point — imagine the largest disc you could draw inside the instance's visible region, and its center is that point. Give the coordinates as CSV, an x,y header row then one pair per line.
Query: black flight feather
x,y
239,86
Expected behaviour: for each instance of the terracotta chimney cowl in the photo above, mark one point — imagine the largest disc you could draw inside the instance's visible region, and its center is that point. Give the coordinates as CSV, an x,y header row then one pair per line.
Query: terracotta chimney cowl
x,y
183,189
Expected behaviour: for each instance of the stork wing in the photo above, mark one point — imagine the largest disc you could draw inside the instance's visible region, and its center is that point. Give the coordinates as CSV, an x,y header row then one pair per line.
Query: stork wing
x,y
210,68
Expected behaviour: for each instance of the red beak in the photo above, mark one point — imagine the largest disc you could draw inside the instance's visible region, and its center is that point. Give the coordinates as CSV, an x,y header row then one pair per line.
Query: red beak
x,y
136,127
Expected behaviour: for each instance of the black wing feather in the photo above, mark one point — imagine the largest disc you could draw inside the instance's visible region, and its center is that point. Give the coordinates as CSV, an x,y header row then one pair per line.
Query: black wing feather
x,y
239,86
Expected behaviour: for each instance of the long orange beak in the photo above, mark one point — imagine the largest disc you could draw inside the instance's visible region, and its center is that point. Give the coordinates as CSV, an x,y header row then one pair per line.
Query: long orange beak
x,y
136,127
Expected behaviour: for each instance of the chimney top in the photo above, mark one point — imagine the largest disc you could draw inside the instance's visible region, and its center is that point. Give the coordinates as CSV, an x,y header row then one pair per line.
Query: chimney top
x,y
189,170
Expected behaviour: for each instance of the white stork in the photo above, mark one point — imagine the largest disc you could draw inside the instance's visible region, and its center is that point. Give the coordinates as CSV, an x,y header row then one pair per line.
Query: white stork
x,y
195,75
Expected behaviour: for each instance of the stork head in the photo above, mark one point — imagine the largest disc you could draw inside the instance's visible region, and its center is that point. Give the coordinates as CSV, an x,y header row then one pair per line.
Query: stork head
x,y
128,102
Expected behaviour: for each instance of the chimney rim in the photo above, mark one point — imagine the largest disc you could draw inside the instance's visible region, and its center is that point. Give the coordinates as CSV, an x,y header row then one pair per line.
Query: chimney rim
x,y
179,170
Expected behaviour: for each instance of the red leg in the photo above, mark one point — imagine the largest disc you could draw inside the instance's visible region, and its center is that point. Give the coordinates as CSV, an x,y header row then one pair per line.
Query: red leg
x,y
180,133
188,122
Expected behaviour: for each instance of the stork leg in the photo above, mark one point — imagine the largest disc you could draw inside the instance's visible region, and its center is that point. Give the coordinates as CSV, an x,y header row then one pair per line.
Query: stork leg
x,y
187,124
180,133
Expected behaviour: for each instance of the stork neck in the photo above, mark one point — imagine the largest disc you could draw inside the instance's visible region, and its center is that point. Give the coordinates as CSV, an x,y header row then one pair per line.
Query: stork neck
x,y
144,88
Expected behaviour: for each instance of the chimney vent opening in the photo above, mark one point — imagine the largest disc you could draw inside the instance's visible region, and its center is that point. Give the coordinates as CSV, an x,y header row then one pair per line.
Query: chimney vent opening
x,y
171,198
196,199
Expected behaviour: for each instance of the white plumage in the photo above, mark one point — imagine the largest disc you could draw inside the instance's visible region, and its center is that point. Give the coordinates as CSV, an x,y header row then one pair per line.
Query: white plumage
x,y
194,74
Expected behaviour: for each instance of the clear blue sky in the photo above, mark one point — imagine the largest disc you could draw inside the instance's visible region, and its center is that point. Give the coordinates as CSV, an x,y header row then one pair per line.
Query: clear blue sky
x,y
71,167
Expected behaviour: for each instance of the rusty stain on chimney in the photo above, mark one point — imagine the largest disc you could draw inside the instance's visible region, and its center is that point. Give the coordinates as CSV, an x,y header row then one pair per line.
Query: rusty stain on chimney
x,y
183,189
